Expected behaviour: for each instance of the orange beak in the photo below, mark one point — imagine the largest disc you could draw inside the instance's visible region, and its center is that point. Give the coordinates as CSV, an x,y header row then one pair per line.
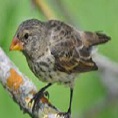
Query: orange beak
x,y
16,44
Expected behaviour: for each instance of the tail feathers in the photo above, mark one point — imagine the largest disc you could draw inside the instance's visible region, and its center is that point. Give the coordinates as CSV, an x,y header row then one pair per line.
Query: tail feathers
x,y
96,38
102,38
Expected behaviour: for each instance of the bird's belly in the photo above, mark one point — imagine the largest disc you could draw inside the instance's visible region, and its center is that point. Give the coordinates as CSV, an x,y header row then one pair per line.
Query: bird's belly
x,y
52,76
46,72
56,77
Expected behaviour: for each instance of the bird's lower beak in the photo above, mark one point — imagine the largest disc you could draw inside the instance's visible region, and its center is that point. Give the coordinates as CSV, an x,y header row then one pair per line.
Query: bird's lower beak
x,y
16,45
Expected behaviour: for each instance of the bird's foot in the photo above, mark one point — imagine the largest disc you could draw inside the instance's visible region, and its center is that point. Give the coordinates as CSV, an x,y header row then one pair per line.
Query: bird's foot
x,y
37,97
65,114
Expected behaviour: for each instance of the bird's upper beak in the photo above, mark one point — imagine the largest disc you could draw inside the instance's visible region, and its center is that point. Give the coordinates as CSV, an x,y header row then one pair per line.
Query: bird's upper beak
x,y
16,44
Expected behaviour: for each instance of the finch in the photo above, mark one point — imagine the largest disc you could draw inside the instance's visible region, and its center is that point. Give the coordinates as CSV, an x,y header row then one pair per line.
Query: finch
x,y
56,52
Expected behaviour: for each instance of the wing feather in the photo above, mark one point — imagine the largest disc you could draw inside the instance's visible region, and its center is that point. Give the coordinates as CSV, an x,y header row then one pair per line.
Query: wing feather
x,y
66,45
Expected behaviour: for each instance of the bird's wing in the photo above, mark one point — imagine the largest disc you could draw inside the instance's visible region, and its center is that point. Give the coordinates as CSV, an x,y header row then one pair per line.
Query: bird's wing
x,y
69,50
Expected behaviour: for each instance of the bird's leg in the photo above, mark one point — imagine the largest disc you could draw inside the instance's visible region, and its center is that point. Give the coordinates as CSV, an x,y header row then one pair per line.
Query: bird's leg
x,y
71,97
38,95
68,113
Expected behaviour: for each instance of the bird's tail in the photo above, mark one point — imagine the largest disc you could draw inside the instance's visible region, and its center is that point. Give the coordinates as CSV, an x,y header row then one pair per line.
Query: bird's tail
x,y
96,38
102,38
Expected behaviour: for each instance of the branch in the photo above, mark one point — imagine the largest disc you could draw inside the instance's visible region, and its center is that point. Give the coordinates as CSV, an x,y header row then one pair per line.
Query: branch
x,y
41,5
65,11
109,77
109,73
22,90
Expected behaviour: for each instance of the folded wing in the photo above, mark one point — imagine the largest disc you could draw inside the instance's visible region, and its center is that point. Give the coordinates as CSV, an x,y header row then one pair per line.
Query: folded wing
x,y
72,49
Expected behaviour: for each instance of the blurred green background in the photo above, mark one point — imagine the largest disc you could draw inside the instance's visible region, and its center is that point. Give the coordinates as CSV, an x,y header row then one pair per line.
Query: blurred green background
x,y
92,15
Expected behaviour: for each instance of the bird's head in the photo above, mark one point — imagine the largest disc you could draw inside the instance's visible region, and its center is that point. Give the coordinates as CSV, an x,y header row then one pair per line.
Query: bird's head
x,y
28,37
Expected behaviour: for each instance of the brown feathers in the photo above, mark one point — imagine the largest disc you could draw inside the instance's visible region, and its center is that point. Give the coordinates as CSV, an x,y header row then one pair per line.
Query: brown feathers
x,y
72,48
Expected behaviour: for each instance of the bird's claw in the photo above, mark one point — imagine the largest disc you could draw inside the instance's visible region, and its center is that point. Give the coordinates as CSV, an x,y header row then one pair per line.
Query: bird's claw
x,y
36,99
46,93
65,114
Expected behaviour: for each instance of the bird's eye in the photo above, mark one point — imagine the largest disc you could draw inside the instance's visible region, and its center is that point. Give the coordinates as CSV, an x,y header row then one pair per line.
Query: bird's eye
x,y
17,35
26,35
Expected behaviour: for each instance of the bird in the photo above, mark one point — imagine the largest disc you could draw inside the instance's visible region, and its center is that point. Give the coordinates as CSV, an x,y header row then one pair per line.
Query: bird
x,y
56,52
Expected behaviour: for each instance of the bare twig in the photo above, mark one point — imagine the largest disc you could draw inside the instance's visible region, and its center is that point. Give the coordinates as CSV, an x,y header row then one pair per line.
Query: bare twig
x,y
109,73
41,4
65,11
108,70
22,90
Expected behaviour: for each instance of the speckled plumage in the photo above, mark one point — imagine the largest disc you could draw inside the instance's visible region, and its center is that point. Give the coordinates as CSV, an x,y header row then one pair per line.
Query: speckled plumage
x,y
56,52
